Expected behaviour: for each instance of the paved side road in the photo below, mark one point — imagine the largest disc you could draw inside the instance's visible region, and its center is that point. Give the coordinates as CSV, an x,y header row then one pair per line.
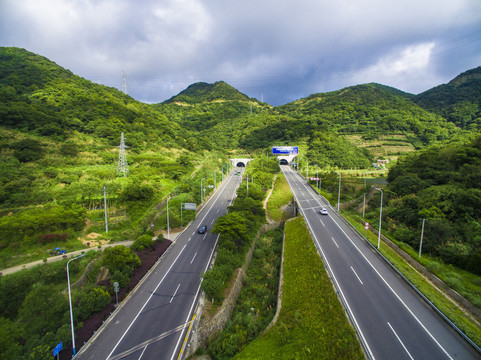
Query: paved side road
x,y
14,269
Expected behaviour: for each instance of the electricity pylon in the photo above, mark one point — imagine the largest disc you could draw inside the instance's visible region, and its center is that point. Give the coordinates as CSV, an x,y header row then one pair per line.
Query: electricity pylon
x,y
122,167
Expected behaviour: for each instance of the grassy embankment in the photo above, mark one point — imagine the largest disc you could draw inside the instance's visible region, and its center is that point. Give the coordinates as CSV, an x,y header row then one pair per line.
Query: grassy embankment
x,y
280,197
448,308
312,323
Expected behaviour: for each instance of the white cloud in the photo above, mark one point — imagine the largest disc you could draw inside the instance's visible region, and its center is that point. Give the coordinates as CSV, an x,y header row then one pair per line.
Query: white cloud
x,y
408,68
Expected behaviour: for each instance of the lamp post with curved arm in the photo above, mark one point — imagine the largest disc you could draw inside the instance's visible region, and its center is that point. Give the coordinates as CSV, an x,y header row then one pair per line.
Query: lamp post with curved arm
x,y
380,218
70,303
339,192
202,191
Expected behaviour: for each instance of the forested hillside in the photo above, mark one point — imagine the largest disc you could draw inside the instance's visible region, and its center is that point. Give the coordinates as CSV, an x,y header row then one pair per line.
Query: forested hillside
x,y
60,134
459,101
371,110
441,184
59,149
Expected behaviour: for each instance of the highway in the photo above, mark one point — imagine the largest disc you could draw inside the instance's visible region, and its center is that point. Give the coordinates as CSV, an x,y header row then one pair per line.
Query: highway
x,y
152,322
391,320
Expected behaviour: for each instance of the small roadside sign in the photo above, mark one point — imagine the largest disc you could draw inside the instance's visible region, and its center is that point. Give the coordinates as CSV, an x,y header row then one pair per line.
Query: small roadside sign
x,y
190,206
366,226
57,349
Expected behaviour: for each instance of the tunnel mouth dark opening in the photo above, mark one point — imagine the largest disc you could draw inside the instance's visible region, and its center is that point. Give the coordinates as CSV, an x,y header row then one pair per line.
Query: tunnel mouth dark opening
x,y
283,162
241,164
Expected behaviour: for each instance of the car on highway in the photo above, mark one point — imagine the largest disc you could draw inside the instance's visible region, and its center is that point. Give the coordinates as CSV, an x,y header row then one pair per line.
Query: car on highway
x,y
202,229
323,211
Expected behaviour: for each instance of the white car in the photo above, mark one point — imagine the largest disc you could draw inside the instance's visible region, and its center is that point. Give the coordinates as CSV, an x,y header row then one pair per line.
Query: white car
x,y
323,211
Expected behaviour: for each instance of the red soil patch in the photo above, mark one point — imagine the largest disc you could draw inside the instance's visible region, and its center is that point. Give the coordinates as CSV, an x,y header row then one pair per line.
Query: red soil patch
x,y
148,258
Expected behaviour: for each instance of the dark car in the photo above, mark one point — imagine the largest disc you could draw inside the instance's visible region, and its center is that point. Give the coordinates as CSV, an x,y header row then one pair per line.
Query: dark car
x,y
202,229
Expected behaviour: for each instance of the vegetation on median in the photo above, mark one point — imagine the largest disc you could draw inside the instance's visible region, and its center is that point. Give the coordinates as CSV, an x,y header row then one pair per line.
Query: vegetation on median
x,y
312,323
238,228
281,196
256,305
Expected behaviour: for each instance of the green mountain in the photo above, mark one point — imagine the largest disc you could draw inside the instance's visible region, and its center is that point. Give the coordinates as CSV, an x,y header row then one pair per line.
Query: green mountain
x,y
370,109
202,92
459,101
41,98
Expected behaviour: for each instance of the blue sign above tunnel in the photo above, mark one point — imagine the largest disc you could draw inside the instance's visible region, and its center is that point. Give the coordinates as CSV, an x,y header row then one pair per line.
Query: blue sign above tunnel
x,y
285,150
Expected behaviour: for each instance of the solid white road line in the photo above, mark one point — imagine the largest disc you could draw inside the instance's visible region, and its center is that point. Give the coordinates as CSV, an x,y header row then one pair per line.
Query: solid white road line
x,y
355,273
353,317
404,347
390,288
145,304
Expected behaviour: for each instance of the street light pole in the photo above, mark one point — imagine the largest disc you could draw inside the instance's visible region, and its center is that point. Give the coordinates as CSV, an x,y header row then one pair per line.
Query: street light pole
x,y
380,218
168,224
70,303
202,191
105,209
339,192
307,172
421,242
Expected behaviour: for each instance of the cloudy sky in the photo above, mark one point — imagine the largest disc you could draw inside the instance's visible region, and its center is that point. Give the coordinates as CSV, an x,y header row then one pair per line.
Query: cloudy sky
x,y
273,50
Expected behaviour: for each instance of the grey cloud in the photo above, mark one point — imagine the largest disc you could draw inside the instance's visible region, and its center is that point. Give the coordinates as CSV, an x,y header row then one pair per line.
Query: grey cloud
x,y
282,50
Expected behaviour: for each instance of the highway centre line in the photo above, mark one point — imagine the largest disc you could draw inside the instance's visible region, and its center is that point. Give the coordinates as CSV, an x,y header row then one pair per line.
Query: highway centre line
x,y
175,292
390,288
355,273
356,324
145,304
335,242
160,282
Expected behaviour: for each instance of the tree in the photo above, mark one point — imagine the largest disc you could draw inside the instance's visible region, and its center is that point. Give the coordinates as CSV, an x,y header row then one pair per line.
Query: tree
x,y
232,226
10,335
92,301
28,150
120,258
43,309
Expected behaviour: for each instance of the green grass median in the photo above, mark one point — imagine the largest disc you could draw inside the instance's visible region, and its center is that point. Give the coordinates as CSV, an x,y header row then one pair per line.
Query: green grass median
x,y
312,323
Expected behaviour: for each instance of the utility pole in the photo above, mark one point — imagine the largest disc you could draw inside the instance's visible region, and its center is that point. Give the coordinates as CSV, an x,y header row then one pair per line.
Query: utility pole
x,y
421,242
380,218
105,209
122,167
339,192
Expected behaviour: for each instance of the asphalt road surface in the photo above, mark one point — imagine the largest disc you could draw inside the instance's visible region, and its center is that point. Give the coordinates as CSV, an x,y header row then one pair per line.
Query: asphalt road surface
x,y
391,320
152,322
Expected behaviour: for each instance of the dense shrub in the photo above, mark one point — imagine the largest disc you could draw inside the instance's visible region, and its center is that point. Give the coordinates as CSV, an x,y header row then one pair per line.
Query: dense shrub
x,y
92,301
142,242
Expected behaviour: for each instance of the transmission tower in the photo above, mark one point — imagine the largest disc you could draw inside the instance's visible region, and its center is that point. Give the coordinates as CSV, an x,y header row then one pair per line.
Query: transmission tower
x,y
122,167
124,83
